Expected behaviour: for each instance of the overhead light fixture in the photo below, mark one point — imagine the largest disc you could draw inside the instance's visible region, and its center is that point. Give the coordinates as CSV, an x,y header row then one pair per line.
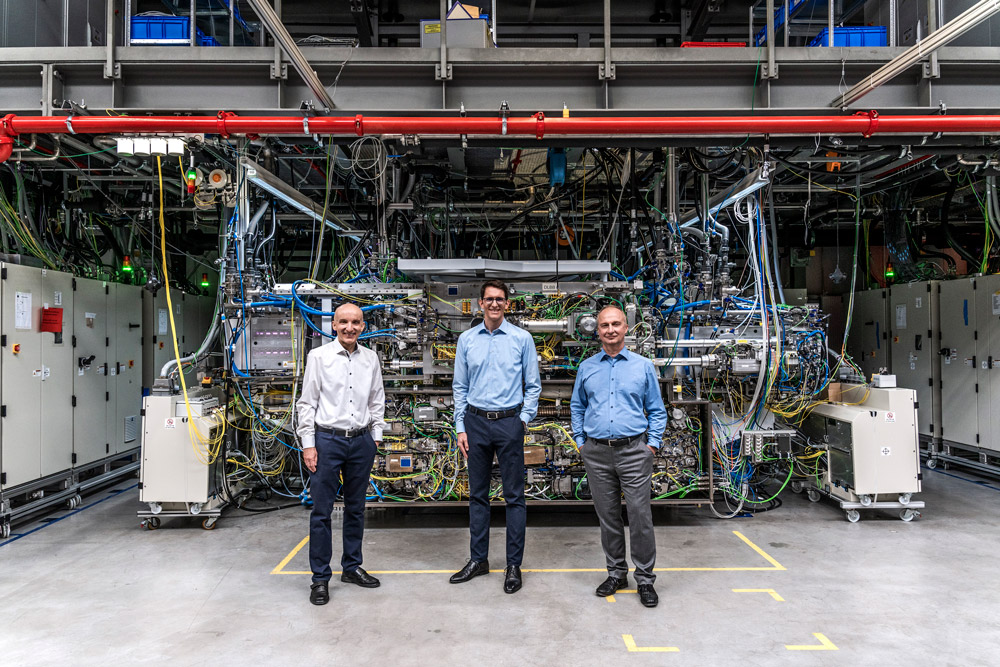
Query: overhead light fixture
x,y
270,183
749,185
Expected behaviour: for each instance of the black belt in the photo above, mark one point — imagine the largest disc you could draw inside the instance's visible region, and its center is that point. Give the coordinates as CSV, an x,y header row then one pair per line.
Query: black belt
x,y
493,415
339,432
616,442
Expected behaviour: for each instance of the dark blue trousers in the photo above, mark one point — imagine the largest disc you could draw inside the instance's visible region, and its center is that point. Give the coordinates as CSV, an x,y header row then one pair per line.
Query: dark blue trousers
x,y
504,438
353,458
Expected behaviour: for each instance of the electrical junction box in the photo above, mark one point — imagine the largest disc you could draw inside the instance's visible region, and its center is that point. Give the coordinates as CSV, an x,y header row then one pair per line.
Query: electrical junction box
x,y
399,463
884,381
426,413
534,456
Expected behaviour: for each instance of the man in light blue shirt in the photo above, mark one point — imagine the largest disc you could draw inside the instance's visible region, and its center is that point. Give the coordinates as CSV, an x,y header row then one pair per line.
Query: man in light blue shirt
x,y
618,421
496,389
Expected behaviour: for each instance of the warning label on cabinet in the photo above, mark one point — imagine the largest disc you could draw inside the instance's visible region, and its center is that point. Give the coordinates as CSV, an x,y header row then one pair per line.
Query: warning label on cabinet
x,y
901,316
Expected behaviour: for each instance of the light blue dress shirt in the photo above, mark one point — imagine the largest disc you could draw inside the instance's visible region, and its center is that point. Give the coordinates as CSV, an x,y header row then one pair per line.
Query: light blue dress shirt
x,y
615,397
496,371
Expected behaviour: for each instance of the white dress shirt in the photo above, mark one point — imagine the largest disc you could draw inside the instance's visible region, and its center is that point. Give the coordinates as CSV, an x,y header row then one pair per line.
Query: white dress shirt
x,y
342,391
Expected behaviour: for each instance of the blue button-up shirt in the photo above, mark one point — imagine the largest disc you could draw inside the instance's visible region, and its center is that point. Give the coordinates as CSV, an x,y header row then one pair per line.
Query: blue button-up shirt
x,y
615,397
496,371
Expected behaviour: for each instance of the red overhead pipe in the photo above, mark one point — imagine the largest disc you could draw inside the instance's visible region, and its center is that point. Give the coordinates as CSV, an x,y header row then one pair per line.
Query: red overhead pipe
x,y
864,124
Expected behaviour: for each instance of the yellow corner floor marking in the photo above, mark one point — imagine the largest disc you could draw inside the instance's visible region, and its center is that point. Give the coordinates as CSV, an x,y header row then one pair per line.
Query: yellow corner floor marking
x,y
632,648
610,598
767,557
291,554
775,565
824,644
770,591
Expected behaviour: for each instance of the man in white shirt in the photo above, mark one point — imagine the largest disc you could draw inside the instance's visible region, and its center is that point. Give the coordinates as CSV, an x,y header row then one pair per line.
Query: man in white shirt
x,y
340,423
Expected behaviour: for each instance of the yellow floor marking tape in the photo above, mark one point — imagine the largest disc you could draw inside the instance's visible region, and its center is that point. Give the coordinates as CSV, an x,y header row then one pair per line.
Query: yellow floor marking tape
x,y
824,644
770,591
291,554
775,565
610,598
632,648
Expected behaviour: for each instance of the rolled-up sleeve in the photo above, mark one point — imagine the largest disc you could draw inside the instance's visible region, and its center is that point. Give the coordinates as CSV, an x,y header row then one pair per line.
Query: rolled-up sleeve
x,y
308,402
656,413
578,408
460,384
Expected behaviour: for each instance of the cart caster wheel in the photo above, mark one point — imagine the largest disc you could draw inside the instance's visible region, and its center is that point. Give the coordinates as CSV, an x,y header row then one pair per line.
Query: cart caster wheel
x,y
814,495
932,463
853,516
909,515
209,524
796,487
904,498
4,531
866,501
74,502
152,523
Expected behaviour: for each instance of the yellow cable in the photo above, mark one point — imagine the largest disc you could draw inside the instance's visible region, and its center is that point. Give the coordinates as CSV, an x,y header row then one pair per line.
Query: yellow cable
x,y
192,429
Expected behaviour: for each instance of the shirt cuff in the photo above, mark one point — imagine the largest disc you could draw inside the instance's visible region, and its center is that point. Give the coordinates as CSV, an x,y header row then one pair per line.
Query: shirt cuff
x,y
525,417
308,441
580,441
377,434
654,445
459,426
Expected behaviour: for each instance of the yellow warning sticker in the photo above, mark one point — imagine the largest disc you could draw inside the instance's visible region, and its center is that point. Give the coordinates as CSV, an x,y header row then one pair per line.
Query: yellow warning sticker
x,y
431,28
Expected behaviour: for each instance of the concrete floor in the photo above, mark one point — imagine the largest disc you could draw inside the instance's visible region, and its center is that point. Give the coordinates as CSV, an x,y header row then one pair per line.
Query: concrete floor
x,y
94,589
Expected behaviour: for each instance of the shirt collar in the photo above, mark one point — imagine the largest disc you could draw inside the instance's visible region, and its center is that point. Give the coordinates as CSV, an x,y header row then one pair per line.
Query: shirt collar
x,y
504,328
340,349
624,354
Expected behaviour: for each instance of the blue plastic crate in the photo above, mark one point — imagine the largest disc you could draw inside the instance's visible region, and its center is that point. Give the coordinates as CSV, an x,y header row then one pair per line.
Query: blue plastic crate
x,y
206,40
868,35
170,30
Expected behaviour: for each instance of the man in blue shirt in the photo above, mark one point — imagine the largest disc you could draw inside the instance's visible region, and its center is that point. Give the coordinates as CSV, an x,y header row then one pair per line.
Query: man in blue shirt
x,y
618,421
496,389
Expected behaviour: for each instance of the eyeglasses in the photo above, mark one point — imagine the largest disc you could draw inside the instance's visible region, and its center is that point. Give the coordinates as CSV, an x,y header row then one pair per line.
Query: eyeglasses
x,y
495,299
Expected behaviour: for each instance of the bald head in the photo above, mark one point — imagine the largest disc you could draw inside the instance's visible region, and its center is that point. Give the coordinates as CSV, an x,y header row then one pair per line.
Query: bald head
x,y
348,322
611,329
347,310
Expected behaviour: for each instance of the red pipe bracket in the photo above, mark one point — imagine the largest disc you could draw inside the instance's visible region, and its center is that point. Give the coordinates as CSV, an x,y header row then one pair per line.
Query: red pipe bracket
x,y
539,125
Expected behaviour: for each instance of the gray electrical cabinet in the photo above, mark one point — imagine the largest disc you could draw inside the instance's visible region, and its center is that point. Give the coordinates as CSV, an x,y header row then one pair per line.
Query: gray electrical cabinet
x,y
90,386
125,382
35,404
959,362
159,348
868,339
988,359
914,346
55,289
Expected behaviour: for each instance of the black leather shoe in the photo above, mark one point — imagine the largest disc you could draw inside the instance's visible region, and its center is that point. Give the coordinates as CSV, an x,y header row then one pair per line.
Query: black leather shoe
x,y
361,578
319,592
611,585
648,596
512,579
472,569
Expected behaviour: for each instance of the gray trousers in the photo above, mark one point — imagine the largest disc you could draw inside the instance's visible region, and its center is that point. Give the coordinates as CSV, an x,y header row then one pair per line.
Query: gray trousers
x,y
611,473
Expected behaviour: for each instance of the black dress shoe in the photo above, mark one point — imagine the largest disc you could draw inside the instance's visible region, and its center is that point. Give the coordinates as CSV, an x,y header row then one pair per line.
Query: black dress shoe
x,y
361,578
472,569
648,596
512,579
611,585
319,592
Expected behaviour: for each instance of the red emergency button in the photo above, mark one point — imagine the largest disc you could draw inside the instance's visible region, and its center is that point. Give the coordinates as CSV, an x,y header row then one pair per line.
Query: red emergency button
x,y
16,348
